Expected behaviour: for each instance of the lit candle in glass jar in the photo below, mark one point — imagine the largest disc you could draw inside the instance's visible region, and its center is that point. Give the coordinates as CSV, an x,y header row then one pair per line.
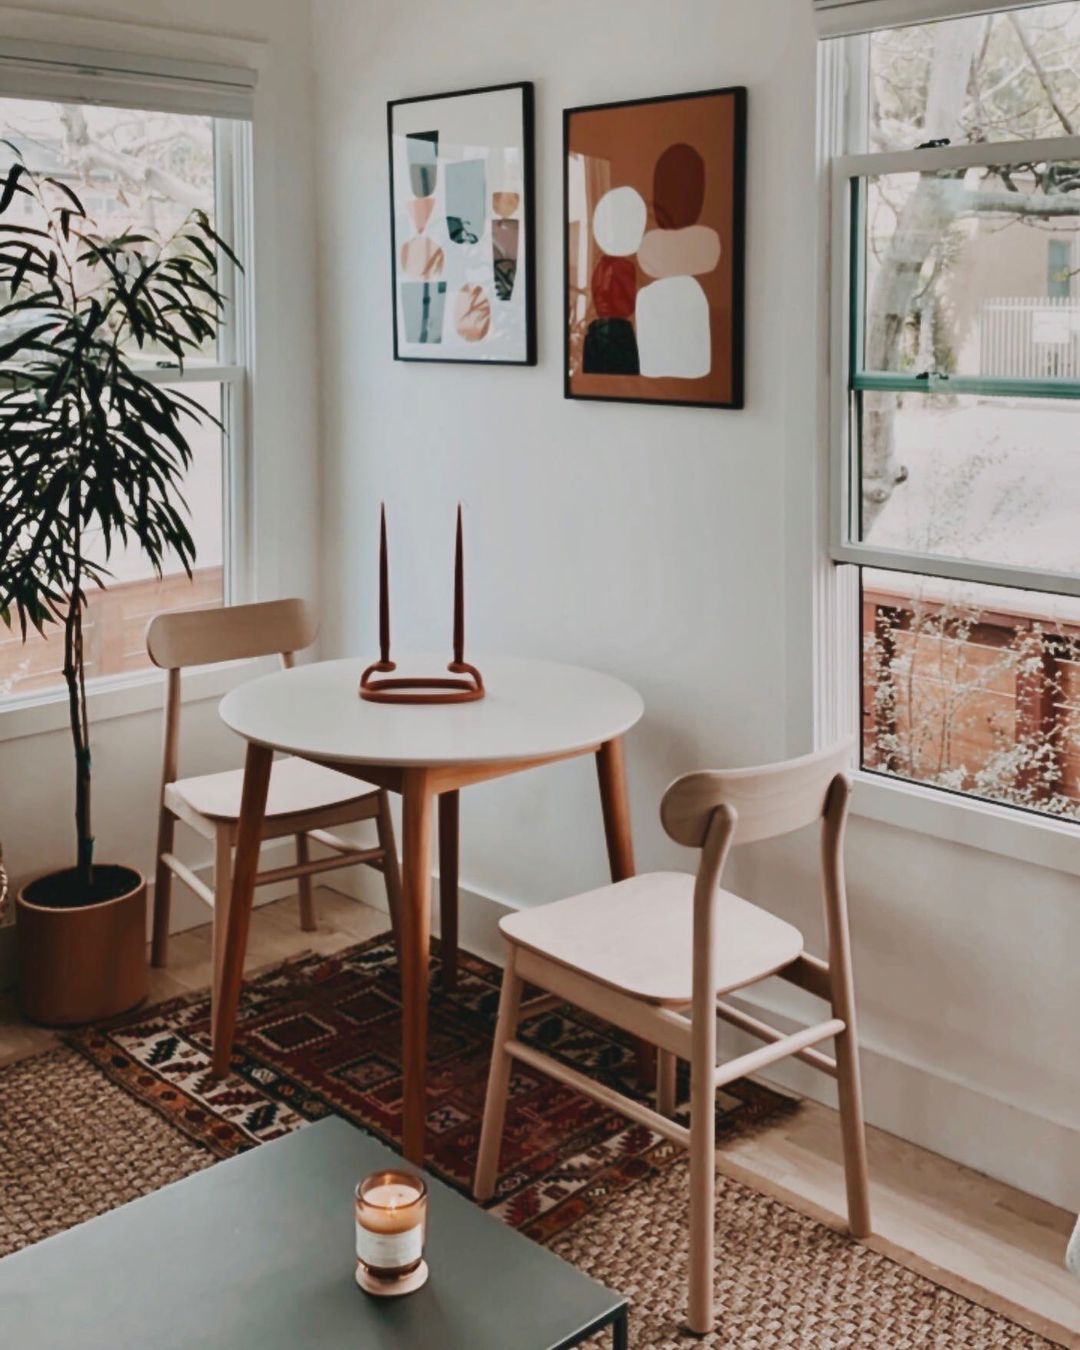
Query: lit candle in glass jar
x,y
391,1223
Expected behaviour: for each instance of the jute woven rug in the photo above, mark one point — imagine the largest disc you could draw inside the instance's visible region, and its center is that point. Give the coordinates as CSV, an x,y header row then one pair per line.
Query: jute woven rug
x,y
782,1279
75,1142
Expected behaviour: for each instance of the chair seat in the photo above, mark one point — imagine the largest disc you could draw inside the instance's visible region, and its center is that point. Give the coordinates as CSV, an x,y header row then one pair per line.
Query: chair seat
x,y
295,785
637,936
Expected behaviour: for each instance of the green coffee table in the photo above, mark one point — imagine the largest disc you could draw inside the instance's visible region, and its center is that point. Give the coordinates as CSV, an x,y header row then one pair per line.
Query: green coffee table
x,y
258,1252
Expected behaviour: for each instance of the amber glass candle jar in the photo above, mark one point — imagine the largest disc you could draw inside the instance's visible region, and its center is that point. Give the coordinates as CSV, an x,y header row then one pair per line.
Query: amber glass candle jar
x,y
391,1225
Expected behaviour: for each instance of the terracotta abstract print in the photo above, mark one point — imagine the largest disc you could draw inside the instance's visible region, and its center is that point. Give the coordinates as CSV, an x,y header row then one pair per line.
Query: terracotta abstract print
x,y
654,196
462,235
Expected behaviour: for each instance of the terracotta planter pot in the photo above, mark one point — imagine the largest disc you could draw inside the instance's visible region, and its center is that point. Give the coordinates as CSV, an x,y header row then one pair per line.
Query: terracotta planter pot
x,y
85,963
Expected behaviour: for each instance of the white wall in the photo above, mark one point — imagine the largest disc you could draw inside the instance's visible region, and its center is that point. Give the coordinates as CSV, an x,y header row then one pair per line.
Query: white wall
x,y
273,36
673,547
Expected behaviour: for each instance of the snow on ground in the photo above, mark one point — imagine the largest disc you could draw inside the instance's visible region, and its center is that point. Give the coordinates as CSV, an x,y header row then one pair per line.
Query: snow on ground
x,y
995,482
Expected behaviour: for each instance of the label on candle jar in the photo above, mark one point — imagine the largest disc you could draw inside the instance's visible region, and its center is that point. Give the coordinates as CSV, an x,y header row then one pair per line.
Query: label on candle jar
x,y
389,1251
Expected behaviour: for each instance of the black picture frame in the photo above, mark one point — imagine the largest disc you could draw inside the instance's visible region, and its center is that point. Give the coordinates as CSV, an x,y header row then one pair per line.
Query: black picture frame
x,y
528,216
737,401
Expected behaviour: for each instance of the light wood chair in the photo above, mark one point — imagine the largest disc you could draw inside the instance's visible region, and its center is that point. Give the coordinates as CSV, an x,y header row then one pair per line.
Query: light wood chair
x,y
304,799
656,953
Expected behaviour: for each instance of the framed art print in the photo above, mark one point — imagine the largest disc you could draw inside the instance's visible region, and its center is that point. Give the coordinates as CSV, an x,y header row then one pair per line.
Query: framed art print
x,y
654,204
461,226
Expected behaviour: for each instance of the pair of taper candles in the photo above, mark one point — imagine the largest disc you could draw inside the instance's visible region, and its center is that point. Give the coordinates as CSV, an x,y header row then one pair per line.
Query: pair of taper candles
x,y
384,594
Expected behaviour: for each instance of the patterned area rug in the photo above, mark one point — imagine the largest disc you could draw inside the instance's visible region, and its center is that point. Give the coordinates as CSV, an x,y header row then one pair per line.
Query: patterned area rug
x,y
321,1036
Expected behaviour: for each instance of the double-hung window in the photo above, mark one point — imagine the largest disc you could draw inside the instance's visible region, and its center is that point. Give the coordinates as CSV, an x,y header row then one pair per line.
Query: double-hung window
x,y
142,144
955,398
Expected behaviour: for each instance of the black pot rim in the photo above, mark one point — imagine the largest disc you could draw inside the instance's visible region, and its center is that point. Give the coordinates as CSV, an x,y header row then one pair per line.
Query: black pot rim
x,y
139,884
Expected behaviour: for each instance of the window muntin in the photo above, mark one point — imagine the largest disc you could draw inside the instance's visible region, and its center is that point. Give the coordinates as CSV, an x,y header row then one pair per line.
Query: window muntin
x,y
956,439
135,169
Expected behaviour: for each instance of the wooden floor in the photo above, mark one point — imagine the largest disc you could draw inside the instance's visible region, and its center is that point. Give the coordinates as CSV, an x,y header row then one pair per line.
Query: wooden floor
x,y
1003,1247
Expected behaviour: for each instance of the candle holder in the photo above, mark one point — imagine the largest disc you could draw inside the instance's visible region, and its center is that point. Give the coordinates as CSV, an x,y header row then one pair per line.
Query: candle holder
x,y
391,1226
423,688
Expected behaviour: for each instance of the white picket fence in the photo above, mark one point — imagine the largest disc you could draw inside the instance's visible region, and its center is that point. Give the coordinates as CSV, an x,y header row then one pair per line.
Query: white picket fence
x,y
1030,339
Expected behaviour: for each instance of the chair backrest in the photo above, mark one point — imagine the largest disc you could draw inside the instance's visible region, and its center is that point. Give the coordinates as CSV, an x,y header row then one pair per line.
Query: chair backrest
x,y
200,637
715,810
770,800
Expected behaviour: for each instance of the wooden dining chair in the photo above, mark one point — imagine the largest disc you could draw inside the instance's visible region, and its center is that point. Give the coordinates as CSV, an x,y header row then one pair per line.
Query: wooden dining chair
x,y
305,800
655,955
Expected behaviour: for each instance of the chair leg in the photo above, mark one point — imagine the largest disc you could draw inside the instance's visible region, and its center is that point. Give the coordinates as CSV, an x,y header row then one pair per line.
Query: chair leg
x,y
384,824
842,997
702,1196
448,887
853,1131
666,1067
487,1159
163,877
222,899
307,888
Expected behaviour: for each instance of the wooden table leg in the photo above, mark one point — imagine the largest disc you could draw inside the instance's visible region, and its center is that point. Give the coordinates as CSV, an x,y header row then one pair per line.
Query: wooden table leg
x,y
611,770
415,938
448,887
615,804
226,991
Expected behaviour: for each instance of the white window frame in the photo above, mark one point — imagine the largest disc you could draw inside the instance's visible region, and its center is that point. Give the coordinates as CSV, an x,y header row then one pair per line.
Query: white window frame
x,y
111,696
990,826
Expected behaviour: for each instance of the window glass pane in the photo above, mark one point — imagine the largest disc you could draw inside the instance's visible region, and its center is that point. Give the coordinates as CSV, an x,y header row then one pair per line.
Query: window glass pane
x,y
131,170
989,479
968,272
1059,269
972,688
116,618
1002,77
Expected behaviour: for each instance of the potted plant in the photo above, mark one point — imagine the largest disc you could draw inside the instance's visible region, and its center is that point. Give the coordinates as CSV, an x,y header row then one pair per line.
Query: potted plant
x,y
92,457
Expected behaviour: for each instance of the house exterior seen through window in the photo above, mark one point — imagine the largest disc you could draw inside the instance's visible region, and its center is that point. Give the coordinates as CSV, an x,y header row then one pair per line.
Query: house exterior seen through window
x,y
137,170
957,246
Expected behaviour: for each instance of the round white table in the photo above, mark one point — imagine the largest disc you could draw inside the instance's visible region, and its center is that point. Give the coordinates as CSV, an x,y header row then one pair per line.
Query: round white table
x,y
535,713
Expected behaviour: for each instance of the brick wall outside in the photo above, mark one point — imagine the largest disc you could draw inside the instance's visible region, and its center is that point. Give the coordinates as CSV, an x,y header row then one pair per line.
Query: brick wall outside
x,y
114,630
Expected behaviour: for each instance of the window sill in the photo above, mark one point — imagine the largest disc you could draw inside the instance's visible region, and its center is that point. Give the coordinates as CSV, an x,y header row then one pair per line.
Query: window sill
x,y
1027,837
121,696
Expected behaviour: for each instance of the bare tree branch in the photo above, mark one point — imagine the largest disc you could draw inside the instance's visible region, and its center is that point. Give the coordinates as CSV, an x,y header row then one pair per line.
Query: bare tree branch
x,y
959,200
89,155
1040,74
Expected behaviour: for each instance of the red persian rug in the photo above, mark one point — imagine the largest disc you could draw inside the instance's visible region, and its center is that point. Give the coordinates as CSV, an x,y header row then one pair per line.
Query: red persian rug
x,y
320,1035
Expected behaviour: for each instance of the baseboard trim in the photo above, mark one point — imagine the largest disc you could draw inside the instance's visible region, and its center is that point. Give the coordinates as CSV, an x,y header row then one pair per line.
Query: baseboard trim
x,y
959,1120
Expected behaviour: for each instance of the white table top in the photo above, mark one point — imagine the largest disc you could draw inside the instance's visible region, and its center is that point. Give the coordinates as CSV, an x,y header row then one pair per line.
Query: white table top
x,y
532,709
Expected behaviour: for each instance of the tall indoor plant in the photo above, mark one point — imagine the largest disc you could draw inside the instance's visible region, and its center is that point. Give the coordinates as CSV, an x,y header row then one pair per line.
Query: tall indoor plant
x,y
93,455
